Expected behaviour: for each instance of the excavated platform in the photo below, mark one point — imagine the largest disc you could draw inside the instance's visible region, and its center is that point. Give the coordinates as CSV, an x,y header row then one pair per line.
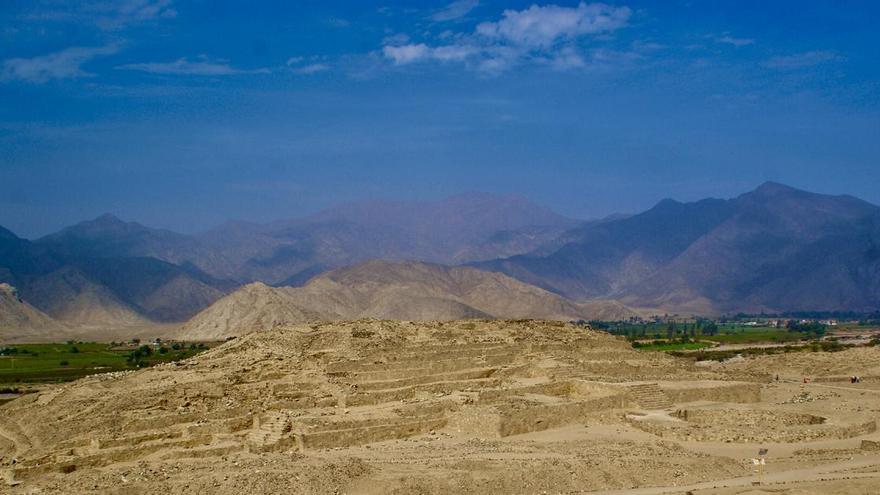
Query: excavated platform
x,y
369,397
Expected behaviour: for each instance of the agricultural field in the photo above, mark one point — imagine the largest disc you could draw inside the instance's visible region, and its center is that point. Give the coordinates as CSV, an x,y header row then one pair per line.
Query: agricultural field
x,y
661,345
60,362
672,335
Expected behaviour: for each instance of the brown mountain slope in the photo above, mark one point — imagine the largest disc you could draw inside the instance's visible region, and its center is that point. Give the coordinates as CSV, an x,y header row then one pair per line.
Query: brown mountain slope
x,y
21,321
67,294
179,299
389,290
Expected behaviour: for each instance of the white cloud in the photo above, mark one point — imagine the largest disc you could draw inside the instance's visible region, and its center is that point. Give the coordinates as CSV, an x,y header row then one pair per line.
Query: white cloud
x,y
540,34
567,58
453,53
183,66
455,10
407,54
801,60
311,68
60,65
544,26
737,42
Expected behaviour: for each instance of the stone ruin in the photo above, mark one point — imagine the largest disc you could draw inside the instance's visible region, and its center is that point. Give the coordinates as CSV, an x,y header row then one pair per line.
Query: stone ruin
x,y
345,384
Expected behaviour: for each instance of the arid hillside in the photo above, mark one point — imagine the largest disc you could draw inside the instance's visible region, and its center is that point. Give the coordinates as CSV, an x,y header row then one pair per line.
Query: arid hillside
x,y
21,321
390,290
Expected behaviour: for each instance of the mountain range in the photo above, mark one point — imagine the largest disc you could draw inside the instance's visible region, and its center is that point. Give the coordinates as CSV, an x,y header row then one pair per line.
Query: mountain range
x,y
409,290
86,287
773,249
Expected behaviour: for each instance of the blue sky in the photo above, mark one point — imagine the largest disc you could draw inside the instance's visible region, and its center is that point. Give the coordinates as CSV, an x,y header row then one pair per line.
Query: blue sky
x,y
185,114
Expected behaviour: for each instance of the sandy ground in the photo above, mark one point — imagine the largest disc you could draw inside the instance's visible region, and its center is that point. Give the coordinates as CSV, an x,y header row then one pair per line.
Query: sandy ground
x,y
379,407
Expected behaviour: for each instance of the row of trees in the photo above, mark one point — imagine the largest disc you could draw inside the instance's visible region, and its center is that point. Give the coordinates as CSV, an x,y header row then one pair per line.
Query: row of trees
x,y
701,327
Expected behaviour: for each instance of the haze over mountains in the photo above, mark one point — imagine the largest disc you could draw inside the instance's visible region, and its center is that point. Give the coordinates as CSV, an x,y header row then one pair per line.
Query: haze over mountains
x,y
773,249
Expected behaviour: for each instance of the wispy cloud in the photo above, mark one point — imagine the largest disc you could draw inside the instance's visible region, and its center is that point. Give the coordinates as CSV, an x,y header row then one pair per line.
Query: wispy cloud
x,y
184,66
536,34
108,14
801,60
65,64
727,39
338,22
314,64
406,54
311,69
455,10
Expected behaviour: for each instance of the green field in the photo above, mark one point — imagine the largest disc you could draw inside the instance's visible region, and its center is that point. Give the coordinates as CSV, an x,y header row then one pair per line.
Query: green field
x,y
672,346
40,363
722,333
716,355
753,335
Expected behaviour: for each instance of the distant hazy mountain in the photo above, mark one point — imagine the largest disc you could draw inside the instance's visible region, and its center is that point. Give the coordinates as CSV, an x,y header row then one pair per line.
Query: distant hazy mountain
x,y
111,272
773,249
109,237
389,290
77,282
459,229
463,228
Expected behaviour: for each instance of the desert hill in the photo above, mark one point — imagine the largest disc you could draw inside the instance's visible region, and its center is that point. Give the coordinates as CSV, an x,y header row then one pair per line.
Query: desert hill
x,y
21,321
69,295
389,290
773,249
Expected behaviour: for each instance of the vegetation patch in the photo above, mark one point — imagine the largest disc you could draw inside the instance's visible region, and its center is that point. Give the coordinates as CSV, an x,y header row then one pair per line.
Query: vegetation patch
x,y
59,362
663,345
710,355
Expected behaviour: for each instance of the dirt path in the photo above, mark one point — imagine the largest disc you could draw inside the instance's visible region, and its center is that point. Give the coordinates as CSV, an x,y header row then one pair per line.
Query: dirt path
x,y
843,387
829,471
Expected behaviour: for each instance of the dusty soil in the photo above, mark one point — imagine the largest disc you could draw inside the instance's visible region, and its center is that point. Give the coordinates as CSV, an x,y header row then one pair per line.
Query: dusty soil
x,y
381,407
